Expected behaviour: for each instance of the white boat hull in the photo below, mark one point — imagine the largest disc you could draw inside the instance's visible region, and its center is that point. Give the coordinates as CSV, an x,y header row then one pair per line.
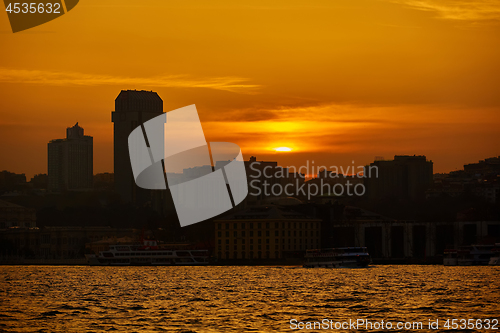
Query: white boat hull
x,y
343,257
494,261
148,254
93,260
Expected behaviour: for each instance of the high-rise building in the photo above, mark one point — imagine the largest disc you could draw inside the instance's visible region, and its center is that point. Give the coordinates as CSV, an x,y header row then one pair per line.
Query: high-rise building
x,y
70,161
405,177
132,109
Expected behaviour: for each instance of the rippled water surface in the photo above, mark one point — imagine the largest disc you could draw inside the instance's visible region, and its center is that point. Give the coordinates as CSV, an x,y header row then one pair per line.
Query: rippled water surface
x,y
237,299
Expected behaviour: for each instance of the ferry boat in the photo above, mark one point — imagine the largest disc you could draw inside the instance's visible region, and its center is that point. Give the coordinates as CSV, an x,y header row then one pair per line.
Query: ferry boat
x,y
475,254
495,258
340,257
147,254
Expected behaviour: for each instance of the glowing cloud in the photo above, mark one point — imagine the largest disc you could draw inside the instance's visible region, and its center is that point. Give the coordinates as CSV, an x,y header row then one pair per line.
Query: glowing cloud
x,y
458,9
233,84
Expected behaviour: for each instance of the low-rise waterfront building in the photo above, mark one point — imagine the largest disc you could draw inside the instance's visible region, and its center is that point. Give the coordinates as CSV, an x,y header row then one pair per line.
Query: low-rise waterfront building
x,y
265,232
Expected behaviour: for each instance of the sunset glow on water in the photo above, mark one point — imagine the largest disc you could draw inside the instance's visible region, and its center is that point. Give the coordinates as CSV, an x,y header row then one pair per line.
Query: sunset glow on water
x,y
237,299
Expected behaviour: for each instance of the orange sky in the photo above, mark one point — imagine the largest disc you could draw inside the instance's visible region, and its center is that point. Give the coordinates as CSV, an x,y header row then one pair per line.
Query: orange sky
x,y
335,81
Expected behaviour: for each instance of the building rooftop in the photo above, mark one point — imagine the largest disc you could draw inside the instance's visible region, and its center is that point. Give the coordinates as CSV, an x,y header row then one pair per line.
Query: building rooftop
x,y
138,100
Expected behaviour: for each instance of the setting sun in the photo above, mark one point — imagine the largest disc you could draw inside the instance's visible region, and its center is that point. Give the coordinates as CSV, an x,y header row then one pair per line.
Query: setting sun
x,y
283,149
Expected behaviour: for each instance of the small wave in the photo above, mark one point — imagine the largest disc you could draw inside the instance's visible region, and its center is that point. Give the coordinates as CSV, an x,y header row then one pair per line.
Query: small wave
x,y
266,316
344,299
427,308
137,307
50,313
70,307
197,299
325,306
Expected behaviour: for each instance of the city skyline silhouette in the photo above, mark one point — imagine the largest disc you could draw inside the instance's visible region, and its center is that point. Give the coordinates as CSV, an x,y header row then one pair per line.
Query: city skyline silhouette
x,y
340,81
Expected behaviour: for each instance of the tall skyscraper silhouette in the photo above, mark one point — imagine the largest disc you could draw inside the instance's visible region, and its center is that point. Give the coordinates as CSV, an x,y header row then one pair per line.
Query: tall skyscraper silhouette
x,y
70,161
132,109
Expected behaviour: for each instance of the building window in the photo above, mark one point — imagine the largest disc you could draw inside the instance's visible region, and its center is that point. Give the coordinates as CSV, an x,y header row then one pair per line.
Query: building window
x,y
259,233
219,226
243,233
267,233
243,241
251,225
227,241
227,233
243,226
235,234
276,240
267,240
242,255
251,233
267,225
227,225
259,225
220,241
235,225
219,234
